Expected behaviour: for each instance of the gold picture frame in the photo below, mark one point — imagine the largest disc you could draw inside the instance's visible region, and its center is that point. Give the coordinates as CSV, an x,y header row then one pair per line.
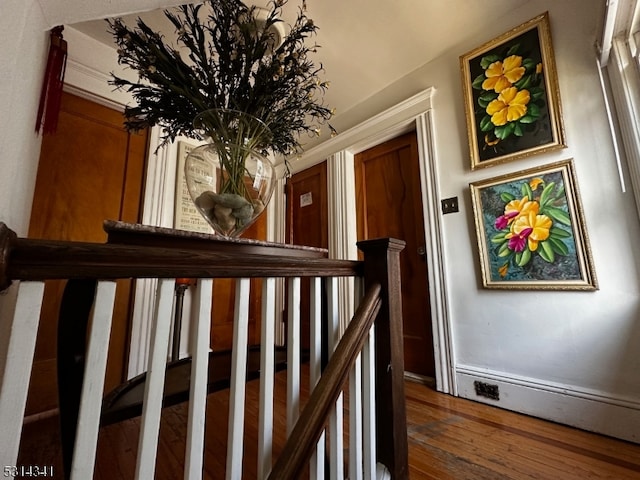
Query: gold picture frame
x,y
511,95
531,230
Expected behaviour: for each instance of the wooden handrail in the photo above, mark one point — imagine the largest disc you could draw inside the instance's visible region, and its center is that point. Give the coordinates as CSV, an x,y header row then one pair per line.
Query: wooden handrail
x,y
307,430
32,259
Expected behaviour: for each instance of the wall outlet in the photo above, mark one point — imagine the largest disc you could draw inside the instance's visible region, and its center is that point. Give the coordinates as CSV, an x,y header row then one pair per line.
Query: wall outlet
x,y
449,205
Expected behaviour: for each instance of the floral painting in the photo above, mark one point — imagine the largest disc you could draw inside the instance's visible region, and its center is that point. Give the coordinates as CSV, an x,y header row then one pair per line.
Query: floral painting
x,y
511,96
531,230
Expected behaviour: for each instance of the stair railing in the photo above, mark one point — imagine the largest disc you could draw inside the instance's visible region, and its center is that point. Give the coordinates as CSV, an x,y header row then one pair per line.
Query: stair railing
x,y
370,357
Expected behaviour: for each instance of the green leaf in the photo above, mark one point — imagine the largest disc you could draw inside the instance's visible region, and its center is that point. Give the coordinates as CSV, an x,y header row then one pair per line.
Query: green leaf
x,y
498,238
526,191
477,82
533,110
504,131
506,197
545,196
558,232
504,250
529,64
513,50
536,93
485,124
524,258
488,96
488,60
523,83
528,119
546,252
518,132
558,246
558,215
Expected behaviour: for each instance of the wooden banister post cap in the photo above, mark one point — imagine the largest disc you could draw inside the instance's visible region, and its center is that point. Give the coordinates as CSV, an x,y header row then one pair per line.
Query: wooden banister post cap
x,y
381,244
7,236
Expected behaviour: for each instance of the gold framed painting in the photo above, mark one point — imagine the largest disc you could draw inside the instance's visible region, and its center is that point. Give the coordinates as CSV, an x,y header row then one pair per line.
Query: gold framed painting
x,y
531,230
512,100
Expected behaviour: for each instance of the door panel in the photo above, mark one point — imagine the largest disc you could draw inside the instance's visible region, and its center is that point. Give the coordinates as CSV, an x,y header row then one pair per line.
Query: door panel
x,y
307,224
389,204
90,170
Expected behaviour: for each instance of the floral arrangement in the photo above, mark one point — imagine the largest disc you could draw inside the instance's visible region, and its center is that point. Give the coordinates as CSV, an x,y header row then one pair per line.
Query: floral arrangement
x,y
532,225
511,94
234,62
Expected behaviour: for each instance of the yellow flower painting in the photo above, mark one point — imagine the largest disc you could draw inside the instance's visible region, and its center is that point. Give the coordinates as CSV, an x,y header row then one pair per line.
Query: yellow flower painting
x,y
511,95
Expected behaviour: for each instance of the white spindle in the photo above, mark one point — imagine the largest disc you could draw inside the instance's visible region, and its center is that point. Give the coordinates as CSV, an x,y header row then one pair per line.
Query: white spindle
x,y
356,440
154,385
267,364
14,384
336,416
316,466
355,420
200,335
238,380
84,452
369,405
293,354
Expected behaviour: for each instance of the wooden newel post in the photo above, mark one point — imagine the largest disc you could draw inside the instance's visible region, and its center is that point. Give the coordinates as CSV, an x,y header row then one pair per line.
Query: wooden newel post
x,y
382,265
7,237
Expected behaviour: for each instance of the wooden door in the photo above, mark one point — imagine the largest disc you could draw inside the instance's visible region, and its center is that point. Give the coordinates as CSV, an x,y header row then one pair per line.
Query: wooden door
x,y
307,224
389,204
89,171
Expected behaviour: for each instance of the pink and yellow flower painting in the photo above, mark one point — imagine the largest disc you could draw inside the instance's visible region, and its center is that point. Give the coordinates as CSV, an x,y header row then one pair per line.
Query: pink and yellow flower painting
x,y
530,230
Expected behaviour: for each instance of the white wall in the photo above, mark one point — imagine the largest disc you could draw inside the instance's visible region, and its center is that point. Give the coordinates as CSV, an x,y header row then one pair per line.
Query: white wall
x,y
569,356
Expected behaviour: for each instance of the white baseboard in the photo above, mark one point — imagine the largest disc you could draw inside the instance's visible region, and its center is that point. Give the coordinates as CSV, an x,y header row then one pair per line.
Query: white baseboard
x,y
590,410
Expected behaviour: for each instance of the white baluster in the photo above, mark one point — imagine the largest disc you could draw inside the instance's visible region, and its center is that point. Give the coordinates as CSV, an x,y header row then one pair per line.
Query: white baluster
x,y
355,420
368,394
84,452
154,385
336,415
369,405
14,386
200,335
267,344
315,370
293,354
238,380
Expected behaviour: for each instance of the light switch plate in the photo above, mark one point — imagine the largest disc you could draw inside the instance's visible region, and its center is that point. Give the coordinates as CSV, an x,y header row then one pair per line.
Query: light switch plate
x,y
449,205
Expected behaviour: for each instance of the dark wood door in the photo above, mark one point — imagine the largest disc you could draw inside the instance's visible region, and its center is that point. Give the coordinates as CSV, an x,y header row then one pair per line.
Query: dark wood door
x,y
89,171
389,204
307,224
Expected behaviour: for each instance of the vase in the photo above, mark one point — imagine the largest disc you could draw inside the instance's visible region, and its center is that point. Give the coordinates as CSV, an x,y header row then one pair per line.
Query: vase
x,y
229,180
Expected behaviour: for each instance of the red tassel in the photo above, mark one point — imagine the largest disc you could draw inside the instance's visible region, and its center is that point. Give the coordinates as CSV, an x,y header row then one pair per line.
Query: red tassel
x,y
51,94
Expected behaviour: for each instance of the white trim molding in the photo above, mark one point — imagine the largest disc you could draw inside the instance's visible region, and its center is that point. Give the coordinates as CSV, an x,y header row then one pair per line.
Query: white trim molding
x,y
591,410
411,114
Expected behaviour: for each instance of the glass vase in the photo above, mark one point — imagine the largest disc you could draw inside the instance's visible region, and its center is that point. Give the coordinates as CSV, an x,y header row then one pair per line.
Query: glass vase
x,y
229,180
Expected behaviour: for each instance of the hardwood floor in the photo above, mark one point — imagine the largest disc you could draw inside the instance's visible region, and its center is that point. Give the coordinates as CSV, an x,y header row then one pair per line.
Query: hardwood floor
x,y
449,438
453,438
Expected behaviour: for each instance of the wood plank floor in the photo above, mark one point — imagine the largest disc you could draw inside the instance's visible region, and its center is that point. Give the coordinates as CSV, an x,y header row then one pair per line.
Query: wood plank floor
x,y
449,438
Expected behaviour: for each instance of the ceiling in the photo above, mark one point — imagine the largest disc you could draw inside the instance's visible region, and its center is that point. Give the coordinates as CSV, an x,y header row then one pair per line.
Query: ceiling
x,y
367,45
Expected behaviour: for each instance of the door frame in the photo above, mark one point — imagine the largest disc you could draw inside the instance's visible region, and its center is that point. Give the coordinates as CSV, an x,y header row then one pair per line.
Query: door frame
x,y
414,113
